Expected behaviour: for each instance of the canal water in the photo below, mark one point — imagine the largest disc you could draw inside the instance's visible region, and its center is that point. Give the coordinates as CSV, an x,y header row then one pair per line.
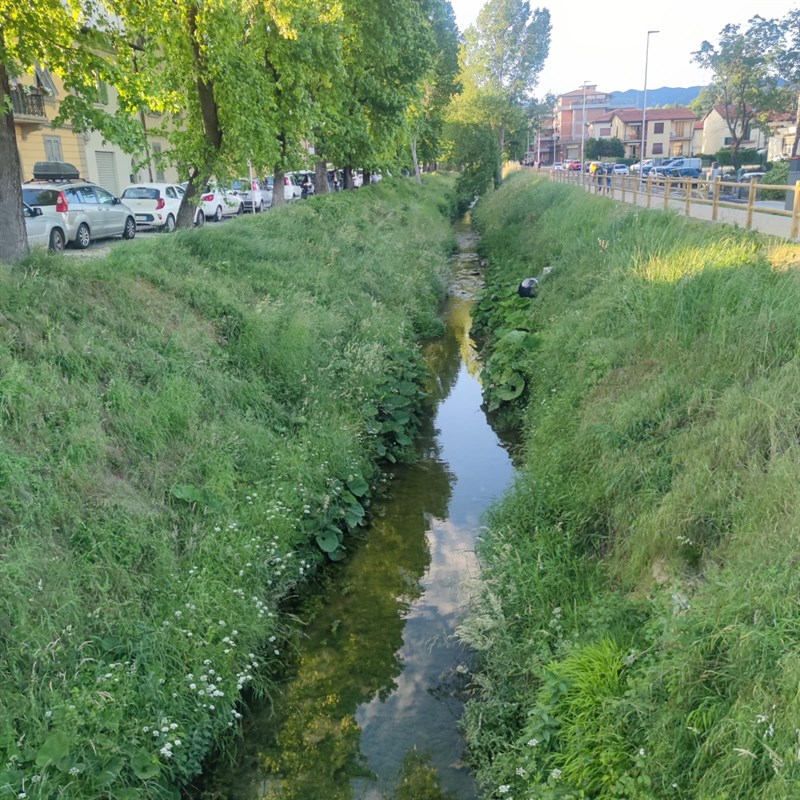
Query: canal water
x,y
378,671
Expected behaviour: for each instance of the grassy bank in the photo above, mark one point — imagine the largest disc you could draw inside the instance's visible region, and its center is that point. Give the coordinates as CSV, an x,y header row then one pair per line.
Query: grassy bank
x,y
637,622
189,427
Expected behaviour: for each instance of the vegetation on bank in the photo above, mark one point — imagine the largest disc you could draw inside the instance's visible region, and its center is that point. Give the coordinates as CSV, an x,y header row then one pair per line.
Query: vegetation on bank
x,y
189,427
636,623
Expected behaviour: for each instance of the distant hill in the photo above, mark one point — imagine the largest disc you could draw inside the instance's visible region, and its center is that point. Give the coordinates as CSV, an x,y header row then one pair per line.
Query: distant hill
x,y
665,96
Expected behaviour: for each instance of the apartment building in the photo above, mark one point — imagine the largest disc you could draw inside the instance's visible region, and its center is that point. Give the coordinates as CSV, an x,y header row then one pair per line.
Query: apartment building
x,y
717,132
668,131
36,100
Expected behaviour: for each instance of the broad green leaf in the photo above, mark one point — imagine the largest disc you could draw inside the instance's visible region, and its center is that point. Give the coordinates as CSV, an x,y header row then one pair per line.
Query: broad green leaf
x,y
358,486
55,747
145,765
328,540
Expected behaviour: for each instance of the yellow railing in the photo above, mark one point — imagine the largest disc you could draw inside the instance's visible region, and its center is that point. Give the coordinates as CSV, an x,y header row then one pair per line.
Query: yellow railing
x,y
690,193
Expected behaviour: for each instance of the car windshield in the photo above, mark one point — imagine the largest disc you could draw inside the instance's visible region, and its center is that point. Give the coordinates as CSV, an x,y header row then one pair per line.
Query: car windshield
x,y
240,186
141,193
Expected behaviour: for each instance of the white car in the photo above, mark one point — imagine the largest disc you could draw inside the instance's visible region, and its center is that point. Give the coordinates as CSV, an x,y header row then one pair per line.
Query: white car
x,y
256,195
620,169
216,202
291,188
156,205
44,229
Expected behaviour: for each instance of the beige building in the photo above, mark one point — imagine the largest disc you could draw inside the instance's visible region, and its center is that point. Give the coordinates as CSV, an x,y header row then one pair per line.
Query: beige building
x,y
669,131
35,101
717,133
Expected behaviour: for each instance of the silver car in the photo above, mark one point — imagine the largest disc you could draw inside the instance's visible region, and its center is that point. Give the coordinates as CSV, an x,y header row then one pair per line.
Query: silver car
x,y
86,211
43,230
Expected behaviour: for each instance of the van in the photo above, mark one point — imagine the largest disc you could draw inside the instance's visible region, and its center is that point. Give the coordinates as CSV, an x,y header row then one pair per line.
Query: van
x,y
684,168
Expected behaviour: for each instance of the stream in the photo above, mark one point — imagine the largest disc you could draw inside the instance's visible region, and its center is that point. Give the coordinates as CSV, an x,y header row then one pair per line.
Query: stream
x,y
378,673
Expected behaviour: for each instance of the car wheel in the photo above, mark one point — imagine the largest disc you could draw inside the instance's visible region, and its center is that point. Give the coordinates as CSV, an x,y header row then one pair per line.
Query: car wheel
x,y
57,240
84,237
218,214
169,225
199,219
240,210
130,228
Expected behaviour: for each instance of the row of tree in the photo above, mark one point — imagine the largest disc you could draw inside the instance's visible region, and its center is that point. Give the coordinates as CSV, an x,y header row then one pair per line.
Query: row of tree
x,y
235,81
756,73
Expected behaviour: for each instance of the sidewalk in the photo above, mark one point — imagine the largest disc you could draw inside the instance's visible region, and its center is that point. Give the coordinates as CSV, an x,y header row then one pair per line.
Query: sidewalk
x,y
702,200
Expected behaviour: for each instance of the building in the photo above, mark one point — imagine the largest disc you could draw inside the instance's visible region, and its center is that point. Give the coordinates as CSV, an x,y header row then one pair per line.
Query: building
x,y
717,132
36,99
669,131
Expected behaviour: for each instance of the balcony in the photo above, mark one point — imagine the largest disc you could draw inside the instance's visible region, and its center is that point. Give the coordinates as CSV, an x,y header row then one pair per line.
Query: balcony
x,y
28,107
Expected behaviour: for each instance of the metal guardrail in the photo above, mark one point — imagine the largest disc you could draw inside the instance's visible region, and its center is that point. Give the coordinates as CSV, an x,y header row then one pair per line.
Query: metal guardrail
x,y
691,194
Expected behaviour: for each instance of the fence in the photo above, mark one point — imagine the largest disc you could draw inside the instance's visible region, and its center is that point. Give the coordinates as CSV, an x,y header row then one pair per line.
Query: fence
x,y
718,200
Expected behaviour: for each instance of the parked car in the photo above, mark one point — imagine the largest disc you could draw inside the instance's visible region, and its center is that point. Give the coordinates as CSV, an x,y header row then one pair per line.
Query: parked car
x,y
746,177
46,230
620,169
156,205
291,188
86,211
558,165
305,179
217,202
256,195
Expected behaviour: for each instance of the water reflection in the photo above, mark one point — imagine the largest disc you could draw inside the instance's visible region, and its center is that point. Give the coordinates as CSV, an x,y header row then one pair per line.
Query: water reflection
x,y
374,666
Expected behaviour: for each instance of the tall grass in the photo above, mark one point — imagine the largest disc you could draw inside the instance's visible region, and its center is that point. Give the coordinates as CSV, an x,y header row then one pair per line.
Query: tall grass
x,y
184,425
637,623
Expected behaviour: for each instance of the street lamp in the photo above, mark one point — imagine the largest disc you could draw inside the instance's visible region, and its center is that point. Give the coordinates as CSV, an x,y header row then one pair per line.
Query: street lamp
x,y
644,104
583,127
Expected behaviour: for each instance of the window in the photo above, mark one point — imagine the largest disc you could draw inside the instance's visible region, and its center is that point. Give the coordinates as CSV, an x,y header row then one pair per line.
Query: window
x,y
103,197
727,141
171,193
44,80
80,194
658,149
52,148
680,130
605,131
157,159
102,91
658,127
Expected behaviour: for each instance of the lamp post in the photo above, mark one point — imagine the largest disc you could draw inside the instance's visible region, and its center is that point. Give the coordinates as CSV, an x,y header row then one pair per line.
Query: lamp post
x,y
583,127
644,104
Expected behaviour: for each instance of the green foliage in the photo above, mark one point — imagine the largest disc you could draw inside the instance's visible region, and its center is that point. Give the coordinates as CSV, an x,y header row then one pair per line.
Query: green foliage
x,y
597,149
188,424
418,780
635,627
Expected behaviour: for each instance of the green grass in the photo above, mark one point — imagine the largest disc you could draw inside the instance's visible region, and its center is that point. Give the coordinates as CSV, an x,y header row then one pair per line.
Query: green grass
x,y
657,508
179,422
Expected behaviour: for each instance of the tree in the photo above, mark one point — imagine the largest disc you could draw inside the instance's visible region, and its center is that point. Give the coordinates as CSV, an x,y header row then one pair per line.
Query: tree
x,y
427,114
743,83
596,149
503,55
67,37
784,58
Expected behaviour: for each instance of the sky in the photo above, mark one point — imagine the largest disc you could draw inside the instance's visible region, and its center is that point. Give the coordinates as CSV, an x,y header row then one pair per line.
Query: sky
x,y
611,54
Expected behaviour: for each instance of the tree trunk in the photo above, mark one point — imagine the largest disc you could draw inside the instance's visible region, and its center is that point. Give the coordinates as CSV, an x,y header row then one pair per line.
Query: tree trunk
x,y
321,178
279,187
187,210
498,181
13,235
796,129
348,177
417,174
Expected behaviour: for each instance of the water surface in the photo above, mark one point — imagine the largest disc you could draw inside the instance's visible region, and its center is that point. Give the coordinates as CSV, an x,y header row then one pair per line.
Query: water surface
x,y
378,670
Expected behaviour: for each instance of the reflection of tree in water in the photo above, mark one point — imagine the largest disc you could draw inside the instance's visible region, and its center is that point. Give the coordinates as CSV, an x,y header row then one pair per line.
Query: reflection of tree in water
x,y
310,741
442,355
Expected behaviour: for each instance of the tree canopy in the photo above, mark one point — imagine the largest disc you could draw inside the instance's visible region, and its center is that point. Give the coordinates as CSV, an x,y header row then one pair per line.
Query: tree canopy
x,y
236,82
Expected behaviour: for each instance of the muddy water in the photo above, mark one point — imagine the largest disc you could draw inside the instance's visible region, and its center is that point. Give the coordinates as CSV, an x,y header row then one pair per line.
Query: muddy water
x,y
377,670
